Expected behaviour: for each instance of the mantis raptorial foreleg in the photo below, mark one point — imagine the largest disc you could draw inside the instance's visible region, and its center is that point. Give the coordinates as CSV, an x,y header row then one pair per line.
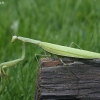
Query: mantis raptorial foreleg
x,y
12,63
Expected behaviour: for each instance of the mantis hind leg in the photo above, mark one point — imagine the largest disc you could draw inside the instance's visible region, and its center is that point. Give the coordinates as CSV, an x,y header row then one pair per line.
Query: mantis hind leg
x,y
75,44
77,79
68,69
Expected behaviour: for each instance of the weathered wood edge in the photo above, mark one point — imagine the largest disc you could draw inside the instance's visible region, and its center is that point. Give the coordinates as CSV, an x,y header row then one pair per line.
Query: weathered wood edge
x,y
52,63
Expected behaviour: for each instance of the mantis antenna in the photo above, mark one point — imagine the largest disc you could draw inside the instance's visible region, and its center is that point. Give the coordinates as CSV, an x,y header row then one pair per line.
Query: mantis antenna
x,y
11,33
12,63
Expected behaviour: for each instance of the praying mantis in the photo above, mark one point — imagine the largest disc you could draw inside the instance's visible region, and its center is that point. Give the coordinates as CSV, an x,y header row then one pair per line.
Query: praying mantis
x,y
51,48
60,50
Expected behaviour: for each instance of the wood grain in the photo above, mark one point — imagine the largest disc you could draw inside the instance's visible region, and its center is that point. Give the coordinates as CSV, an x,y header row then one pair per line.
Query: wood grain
x,y
55,82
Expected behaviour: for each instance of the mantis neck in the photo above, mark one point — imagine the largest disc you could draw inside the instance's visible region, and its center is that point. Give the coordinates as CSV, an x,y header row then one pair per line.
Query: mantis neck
x,y
28,40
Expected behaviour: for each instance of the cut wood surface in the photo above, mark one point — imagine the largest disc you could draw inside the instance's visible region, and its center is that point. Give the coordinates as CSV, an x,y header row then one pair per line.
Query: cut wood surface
x,y
56,82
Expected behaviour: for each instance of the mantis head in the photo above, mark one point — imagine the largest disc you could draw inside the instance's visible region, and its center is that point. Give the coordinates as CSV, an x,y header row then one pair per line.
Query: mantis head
x,y
14,38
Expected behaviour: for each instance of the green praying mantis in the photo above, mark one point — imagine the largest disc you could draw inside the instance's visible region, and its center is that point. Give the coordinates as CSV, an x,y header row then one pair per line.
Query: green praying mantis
x,y
60,50
51,48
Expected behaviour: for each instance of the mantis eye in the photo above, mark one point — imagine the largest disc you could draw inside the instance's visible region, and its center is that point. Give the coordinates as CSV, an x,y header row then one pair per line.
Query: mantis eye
x,y
14,38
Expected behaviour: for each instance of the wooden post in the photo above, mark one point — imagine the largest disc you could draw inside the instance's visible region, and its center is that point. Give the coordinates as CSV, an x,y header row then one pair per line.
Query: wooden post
x,y
56,82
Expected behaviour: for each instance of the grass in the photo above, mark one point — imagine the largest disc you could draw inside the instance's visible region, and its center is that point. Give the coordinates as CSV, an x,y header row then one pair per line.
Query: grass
x,y
55,21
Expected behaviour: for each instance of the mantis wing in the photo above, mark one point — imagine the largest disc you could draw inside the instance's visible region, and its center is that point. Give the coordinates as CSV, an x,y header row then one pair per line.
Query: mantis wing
x,y
68,51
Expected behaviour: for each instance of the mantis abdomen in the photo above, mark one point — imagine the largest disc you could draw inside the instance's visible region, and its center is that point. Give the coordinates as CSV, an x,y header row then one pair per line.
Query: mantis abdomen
x,y
68,51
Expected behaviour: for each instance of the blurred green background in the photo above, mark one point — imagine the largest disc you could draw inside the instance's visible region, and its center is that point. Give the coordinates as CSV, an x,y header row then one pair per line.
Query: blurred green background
x,y
55,21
